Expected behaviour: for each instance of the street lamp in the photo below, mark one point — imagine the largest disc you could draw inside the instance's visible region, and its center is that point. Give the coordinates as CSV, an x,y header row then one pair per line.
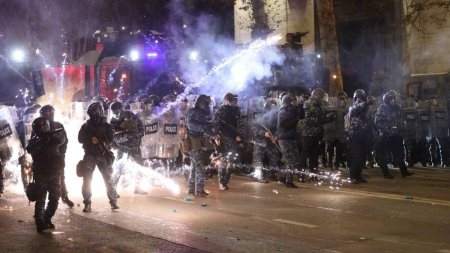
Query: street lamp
x,y
18,55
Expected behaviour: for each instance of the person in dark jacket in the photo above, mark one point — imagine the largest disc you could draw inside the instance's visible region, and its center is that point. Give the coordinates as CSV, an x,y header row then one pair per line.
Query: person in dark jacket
x,y
390,140
288,117
48,166
227,119
312,133
359,134
48,112
264,129
198,126
96,135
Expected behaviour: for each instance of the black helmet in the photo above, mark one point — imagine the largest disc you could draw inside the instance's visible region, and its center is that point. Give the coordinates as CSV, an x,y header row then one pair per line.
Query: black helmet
x,y
147,103
202,102
30,113
319,95
269,104
288,99
342,94
95,110
230,98
390,97
141,97
361,94
40,125
48,112
116,105
98,99
168,98
33,109
155,99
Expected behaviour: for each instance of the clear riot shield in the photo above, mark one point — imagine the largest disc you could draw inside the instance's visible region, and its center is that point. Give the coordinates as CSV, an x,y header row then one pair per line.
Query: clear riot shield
x,y
423,127
168,145
410,118
149,142
439,118
10,146
329,133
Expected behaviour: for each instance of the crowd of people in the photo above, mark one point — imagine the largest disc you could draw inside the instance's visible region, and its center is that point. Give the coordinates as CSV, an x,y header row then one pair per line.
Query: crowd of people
x,y
286,138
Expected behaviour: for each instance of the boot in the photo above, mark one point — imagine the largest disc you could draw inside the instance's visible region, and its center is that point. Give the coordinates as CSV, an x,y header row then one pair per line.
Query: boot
x,y
114,205
223,187
41,225
49,223
202,194
65,199
190,192
290,185
87,206
263,178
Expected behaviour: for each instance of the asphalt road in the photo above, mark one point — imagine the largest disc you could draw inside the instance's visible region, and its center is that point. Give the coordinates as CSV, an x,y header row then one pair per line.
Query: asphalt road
x,y
400,215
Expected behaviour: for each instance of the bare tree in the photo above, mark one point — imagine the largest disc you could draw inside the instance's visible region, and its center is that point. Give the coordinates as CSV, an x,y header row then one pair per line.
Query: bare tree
x,y
419,12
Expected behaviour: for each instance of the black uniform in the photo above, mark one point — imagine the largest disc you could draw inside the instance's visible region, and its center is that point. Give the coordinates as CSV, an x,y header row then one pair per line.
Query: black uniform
x,y
312,133
127,138
48,168
265,146
389,140
198,128
227,124
360,137
288,117
97,155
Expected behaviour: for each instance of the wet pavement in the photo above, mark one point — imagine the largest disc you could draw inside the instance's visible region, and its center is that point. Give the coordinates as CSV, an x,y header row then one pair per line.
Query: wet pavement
x,y
400,215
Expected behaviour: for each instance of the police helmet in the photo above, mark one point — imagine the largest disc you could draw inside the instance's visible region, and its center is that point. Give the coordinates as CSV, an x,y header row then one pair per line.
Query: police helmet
x,y
141,97
361,94
319,95
288,99
269,104
147,103
230,98
168,98
95,110
390,97
202,102
342,94
40,125
155,99
116,105
48,112
33,109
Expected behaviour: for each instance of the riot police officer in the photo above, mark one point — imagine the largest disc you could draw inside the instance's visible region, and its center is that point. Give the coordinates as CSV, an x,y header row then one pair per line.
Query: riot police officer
x,y
48,163
96,135
227,119
288,117
265,141
312,133
197,127
390,139
48,112
128,130
359,134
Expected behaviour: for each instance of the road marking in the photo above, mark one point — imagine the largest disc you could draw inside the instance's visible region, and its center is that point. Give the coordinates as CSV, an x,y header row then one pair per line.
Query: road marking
x,y
296,223
181,200
388,196
444,251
